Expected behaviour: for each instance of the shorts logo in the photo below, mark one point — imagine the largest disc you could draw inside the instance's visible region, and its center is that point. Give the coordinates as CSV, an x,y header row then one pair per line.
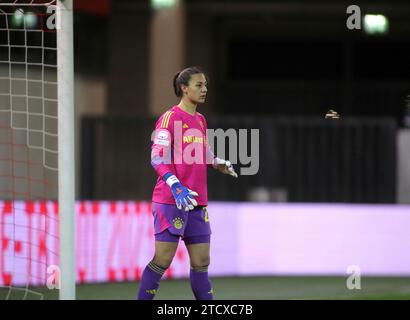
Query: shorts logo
x,y
178,223
206,217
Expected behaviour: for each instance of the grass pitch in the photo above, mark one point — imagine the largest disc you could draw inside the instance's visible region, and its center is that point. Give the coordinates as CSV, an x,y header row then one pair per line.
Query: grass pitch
x,y
239,288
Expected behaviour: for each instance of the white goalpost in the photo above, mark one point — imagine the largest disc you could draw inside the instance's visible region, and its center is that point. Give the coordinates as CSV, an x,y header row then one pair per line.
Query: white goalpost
x,y
37,163
66,160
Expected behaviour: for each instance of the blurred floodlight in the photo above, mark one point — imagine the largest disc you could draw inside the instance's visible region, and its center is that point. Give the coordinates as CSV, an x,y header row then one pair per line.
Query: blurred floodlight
x,y
163,4
375,24
17,18
30,20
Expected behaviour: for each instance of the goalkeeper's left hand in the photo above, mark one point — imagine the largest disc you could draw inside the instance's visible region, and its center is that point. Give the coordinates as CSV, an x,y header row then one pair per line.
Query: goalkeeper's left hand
x,y
225,167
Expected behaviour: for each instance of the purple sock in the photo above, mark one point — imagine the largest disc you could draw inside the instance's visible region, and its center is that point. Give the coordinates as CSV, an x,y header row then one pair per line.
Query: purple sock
x,y
150,281
200,284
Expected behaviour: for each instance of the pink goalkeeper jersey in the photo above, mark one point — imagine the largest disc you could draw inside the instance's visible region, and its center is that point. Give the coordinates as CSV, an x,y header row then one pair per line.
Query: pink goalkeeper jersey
x,y
180,147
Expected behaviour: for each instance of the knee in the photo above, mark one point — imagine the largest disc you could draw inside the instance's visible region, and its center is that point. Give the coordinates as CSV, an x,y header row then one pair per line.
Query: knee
x,y
200,262
164,261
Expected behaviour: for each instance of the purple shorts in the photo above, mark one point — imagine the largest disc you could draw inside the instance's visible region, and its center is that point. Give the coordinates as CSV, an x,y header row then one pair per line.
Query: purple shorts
x,y
170,224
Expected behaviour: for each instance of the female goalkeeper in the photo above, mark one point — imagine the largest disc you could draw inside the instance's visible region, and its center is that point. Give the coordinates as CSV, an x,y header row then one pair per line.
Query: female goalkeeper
x,y
180,156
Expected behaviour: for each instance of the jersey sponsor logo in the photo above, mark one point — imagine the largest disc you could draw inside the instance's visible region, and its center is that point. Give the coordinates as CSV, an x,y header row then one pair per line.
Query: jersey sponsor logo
x,y
191,139
185,126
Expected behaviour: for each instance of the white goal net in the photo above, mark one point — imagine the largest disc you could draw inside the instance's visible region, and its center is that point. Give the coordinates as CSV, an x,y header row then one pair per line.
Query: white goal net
x,y
31,129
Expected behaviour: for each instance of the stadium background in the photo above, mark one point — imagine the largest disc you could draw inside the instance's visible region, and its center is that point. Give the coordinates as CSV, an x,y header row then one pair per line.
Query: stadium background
x,y
328,194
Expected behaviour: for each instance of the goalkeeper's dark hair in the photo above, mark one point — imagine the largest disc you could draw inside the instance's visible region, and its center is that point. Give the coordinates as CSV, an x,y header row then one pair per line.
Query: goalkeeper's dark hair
x,y
183,77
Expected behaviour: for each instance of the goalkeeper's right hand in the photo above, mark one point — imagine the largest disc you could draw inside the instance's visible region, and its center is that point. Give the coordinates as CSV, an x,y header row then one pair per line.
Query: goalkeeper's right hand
x,y
225,167
184,197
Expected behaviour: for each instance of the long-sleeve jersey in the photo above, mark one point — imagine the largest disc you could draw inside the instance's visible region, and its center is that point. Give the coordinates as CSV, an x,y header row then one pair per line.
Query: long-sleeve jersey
x,y
180,147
